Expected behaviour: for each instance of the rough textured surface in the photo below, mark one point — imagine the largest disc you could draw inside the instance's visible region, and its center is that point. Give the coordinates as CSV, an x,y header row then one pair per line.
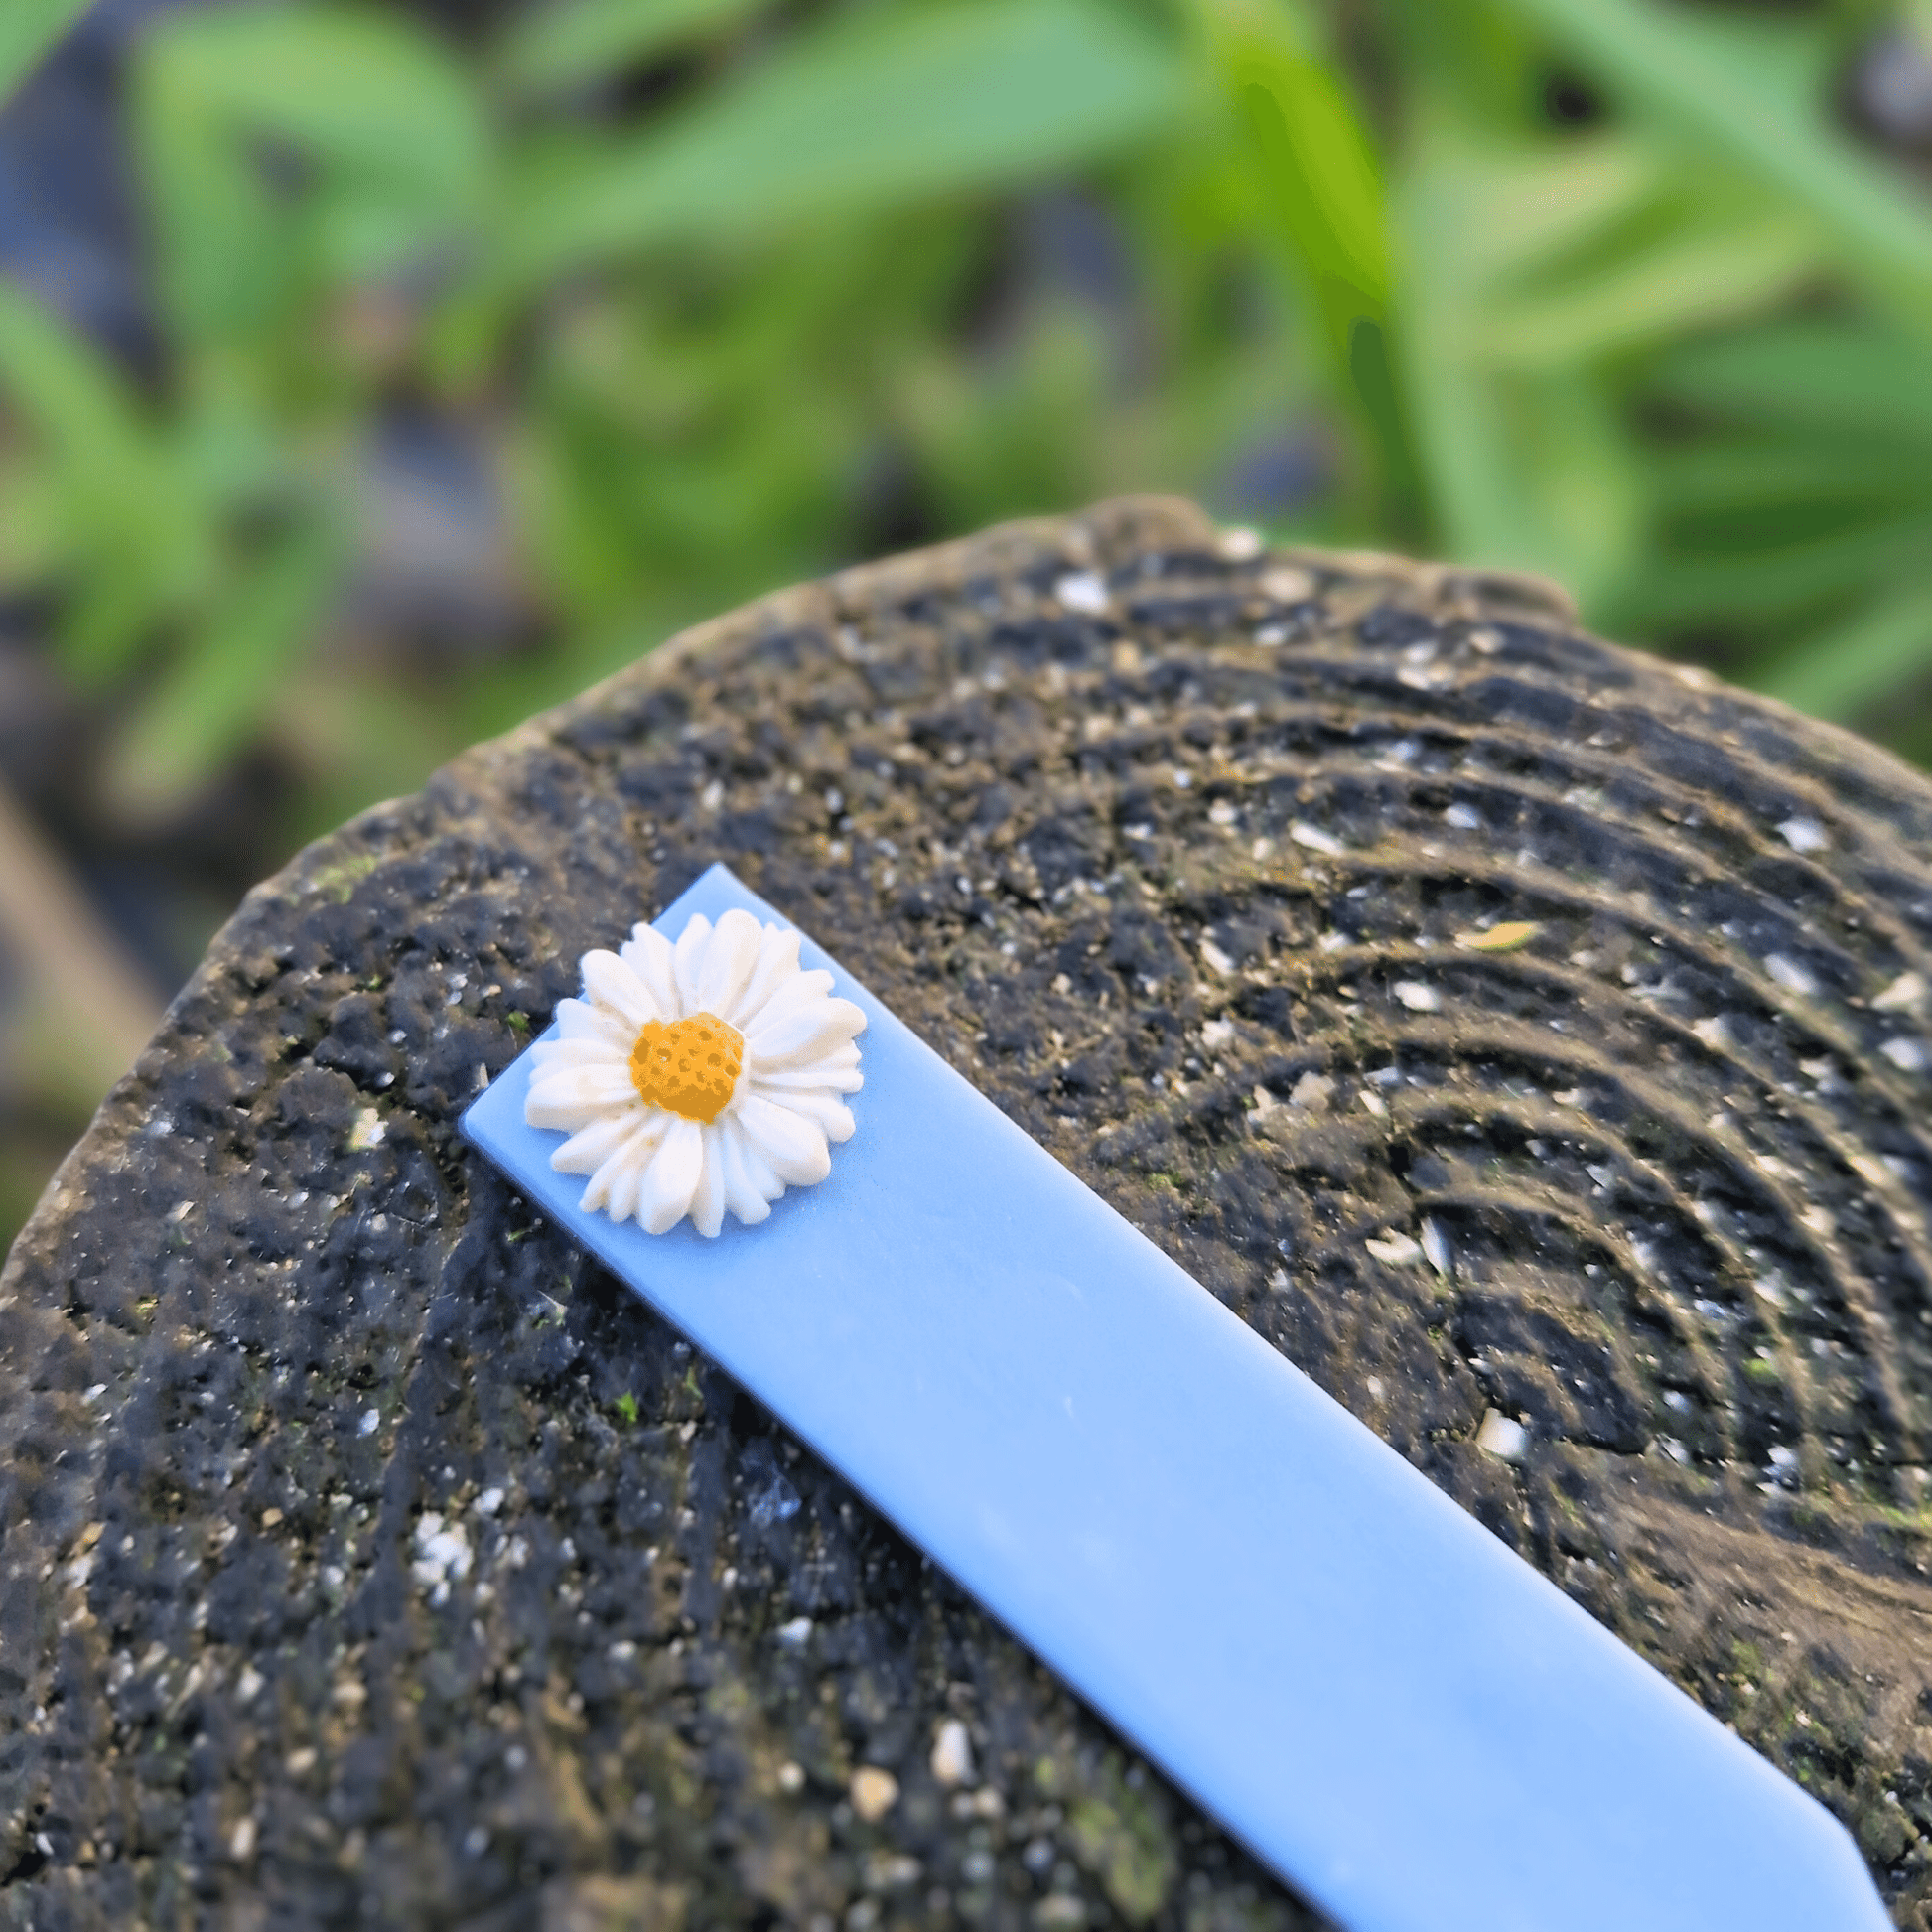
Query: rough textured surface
x,y
371,1560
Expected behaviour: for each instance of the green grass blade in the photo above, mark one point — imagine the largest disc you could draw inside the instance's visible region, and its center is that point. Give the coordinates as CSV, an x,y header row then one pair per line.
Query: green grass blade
x,y
217,691
1758,91
551,49
1850,380
890,107
385,131
1849,668
28,30
129,528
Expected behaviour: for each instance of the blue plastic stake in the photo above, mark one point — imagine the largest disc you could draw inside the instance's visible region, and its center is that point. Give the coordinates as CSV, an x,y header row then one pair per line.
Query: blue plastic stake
x,y
1413,1727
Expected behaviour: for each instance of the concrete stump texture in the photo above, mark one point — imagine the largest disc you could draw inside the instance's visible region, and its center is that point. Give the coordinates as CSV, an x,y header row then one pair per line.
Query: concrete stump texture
x,y
1528,1038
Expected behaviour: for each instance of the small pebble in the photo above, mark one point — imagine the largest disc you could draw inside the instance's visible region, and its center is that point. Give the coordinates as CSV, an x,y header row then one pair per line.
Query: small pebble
x,y
1083,590
1502,1436
873,1792
952,1754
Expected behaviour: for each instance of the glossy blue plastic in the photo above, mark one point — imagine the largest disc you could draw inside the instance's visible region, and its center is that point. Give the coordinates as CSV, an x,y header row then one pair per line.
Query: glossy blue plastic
x,y
1382,1702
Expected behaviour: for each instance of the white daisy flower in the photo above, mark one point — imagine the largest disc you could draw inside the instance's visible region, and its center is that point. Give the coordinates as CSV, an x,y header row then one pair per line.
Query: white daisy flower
x,y
698,1077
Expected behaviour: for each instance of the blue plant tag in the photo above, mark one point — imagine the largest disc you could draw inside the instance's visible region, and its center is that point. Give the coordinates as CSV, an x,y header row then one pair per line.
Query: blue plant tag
x,y
1413,1727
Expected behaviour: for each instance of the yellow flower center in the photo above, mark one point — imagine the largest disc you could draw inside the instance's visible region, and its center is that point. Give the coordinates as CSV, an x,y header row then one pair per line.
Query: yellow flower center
x,y
688,1067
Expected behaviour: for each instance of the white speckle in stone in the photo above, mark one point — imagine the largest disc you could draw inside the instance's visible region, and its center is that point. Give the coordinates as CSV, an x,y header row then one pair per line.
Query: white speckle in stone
x,y
1791,974
1904,1052
1222,812
241,1841
475,1840
1674,1449
1182,777
1399,1250
1436,1246
791,1777
1238,545
367,1133
1712,1032
1907,990
489,1503
1417,997
1287,584
1082,590
712,795
1784,1462
1373,1103
1216,1033
1315,839
247,1686
873,1792
1376,1388
1215,957
1278,1281
1502,1436
795,1635
370,1422
441,1554
1466,818
952,1754
1803,834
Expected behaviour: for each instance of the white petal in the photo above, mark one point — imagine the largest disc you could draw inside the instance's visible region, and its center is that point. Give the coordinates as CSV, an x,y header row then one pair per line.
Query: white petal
x,y
793,1144
819,1105
687,961
795,995
672,1177
599,1051
613,986
777,966
628,1180
729,961
578,1020
649,954
750,1202
838,1069
570,1097
614,1187
708,1204
589,1147
799,1037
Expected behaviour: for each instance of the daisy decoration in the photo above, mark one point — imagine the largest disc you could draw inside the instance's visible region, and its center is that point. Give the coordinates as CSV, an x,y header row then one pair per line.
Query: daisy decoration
x,y
697,1077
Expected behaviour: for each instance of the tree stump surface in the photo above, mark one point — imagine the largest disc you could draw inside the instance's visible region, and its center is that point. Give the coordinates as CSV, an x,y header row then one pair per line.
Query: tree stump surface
x,y
1513,1028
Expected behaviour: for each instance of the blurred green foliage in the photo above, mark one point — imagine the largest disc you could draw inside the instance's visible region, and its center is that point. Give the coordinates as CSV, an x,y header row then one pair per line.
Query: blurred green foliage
x,y
719,290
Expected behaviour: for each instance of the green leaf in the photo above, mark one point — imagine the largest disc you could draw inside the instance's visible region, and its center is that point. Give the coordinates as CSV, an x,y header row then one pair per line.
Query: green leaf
x,y
1709,266
229,671
1775,582
130,536
28,30
1527,469
553,48
1758,91
1847,669
285,145
1851,380
889,107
